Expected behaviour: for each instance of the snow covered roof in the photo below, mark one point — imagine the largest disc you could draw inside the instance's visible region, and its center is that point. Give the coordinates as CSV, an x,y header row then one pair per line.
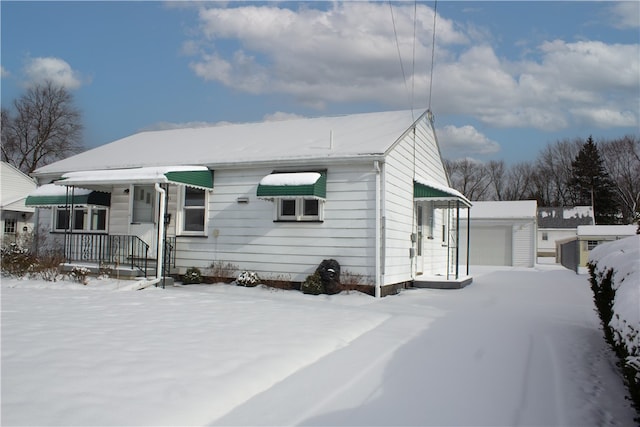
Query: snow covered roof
x,y
357,135
607,230
518,209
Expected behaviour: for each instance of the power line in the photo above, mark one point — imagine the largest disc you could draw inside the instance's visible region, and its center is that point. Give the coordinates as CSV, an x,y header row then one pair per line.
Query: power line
x,y
404,76
433,50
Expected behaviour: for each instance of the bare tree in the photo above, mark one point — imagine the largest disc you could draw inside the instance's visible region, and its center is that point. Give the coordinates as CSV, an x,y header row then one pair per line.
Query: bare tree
x,y
519,182
497,178
469,177
553,169
622,160
46,127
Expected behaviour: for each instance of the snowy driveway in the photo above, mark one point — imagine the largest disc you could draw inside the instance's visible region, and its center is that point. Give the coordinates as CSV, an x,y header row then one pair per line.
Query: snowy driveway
x,y
517,347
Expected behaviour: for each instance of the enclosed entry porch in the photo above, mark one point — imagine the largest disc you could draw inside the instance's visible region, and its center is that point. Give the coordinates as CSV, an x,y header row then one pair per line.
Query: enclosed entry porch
x,y
439,239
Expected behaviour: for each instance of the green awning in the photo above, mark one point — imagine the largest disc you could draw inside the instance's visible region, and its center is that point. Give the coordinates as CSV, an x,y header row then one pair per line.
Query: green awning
x,y
293,184
436,192
55,195
192,176
197,178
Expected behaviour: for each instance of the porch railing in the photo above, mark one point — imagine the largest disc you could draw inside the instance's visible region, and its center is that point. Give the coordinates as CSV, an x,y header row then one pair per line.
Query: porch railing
x,y
123,250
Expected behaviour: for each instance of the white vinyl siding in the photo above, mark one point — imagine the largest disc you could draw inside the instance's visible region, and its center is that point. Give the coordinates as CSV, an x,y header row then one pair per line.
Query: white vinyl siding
x,y
244,234
414,153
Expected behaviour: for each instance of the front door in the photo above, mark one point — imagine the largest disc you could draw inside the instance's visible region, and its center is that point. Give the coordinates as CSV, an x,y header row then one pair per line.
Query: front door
x,y
143,216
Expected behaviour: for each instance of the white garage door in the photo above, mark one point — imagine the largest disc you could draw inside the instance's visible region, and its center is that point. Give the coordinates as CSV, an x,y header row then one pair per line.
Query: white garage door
x,y
491,245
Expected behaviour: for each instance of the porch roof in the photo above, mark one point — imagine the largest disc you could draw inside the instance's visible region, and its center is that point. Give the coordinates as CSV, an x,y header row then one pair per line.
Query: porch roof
x,y
191,176
54,195
312,184
430,191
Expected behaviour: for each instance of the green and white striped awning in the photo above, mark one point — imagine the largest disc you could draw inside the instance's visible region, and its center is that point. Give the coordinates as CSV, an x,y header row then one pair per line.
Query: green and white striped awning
x,y
436,192
293,184
54,195
191,176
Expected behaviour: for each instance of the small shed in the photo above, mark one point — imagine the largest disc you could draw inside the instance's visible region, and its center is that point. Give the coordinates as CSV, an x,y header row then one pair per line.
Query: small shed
x,y
574,253
17,219
502,233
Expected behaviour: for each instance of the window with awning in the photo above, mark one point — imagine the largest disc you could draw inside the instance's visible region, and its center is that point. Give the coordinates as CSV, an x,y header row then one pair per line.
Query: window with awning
x,y
298,196
292,184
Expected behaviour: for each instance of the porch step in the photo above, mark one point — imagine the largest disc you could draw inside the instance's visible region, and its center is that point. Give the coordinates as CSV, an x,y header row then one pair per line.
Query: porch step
x,y
435,283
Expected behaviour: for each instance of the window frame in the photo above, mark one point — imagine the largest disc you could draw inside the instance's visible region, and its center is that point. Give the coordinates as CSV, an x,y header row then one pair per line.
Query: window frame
x,y
591,244
300,205
10,222
88,213
182,216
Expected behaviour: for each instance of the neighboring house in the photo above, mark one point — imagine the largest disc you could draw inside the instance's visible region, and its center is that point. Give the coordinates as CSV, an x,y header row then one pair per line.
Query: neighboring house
x,y
574,252
17,219
559,224
503,233
369,190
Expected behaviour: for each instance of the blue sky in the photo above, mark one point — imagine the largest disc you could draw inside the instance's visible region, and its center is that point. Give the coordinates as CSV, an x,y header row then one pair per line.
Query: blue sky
x,y
509,77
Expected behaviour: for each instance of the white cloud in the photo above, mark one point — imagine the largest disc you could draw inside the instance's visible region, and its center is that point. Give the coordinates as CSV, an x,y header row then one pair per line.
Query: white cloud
x,y
606,117
318,56
322,56
3,72
625,14
56,70
465,139
183,125
279,116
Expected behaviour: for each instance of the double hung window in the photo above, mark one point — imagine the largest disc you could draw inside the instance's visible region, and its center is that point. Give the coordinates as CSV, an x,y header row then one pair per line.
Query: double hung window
x,y
193,216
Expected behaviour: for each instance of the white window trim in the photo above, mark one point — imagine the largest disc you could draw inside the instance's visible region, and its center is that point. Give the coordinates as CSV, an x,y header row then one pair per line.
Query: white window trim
x,y
299,216
180,231
86,225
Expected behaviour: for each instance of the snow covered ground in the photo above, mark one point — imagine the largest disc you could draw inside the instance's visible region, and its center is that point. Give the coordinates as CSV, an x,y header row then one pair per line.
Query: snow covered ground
x,y
516,347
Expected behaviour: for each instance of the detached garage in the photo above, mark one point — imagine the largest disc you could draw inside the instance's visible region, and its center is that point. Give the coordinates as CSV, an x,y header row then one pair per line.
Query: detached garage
x,y
502,233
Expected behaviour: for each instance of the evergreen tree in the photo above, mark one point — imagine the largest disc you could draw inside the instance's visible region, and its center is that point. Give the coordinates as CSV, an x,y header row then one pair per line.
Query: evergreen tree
x,y
591,185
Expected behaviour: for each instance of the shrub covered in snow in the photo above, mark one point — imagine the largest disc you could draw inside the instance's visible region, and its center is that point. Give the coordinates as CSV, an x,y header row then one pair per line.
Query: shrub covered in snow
x,y
614,269
312,284
80,274
192,276
248,278
17,260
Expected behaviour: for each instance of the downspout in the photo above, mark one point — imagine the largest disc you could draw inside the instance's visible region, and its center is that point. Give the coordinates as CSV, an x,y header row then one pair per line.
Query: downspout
x,y
457,239
468,236
378,242
160,245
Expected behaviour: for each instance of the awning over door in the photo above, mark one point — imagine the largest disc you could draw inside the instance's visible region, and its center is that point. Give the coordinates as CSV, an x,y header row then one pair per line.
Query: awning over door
x,y
293,184
191,176
436,192
54,195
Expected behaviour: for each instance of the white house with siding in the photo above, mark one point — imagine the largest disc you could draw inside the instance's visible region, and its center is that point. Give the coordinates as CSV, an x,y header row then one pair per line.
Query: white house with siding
x,y
16,217
503,233
369,190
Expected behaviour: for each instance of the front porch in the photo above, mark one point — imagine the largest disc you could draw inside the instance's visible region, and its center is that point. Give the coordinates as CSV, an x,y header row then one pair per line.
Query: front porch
x,y
121,256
